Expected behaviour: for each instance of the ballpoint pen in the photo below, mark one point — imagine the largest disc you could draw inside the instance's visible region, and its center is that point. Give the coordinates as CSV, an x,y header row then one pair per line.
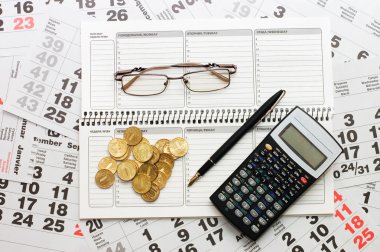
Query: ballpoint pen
x,y
265,109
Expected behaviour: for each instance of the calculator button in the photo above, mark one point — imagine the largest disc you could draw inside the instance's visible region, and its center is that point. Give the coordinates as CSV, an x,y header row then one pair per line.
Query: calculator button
x,y
270,214
277,167
230,205
290,167
283,160
237,197
236,182
304,180
246,221
275,153
269,160
268,147
253,213
244,189
243,174
238,213
262,221
252,197
222,197
261,206
262,153
277,206
296,174
255,229
260,190
252,182
249,166
268,198
245,205
229,189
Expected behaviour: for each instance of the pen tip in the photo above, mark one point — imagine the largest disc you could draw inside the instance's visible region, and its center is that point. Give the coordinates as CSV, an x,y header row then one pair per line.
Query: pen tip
x,y
193,179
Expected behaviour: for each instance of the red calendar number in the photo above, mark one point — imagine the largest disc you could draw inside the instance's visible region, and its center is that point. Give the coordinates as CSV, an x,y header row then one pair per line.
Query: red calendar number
x,y
1,102
362,239
78,231
23,23
337,197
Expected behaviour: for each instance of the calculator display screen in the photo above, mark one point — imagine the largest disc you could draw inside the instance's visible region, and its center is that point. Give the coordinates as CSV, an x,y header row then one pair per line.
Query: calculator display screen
x,y
302,146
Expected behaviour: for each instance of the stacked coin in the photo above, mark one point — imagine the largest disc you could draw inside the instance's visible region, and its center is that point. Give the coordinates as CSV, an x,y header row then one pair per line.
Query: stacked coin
x,y
151,167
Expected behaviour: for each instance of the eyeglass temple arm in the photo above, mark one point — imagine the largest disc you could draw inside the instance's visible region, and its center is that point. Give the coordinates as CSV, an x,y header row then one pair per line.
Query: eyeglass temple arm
x,y
140,70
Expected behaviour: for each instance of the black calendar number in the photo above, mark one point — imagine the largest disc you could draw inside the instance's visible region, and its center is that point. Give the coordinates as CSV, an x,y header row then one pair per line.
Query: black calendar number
x,y
68,178
27,7
1,25
183,235
177,222
335,41
313,219
287,237
280,13
1,214
330,242
218,234
363,55
154,247
352,150
76,127
27,203
32,188
78,73
94,225
2,198
117,2
366,197
1,9
56,115
64,101
58,191
51,225
20,220
147,234
377,115
37,172
212,222
350,119
120,15
376,162
87,3
60,209
3,183
374,130
322,231
71,86
351,136
119,248
188,248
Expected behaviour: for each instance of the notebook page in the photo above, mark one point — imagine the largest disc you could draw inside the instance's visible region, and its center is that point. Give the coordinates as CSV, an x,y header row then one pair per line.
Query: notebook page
x,y
245,44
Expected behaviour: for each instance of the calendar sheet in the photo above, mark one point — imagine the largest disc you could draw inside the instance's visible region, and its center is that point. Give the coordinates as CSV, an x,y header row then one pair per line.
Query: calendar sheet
x,y
15,132
349,230
357,123
42,215
355,24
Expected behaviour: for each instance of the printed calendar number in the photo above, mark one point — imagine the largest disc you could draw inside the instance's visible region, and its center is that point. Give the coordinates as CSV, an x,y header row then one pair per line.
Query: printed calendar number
x,y
78,73
37,172
1,25
188,248
94,225
362,239
117,2
26,7
120,15
280,12
321,232
34,89
23,23
60,193
241,10
59,209
54,225
54,44
27,203
20,220
47,59
38,72
32,188
86,3
362,55
2,198
3,183
29,103
55,115
1,9
68,85
119,248
335,41
63,101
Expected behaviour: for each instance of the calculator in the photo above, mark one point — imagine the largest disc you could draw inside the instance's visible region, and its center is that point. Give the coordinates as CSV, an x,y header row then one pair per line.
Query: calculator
x,y
290,159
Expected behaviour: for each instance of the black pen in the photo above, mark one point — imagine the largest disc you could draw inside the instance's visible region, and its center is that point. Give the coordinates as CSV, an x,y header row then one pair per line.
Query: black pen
x,y
265,109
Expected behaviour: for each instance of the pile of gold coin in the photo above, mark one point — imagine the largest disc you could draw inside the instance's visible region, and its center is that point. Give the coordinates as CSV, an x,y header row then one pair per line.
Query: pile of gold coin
x,y
151,167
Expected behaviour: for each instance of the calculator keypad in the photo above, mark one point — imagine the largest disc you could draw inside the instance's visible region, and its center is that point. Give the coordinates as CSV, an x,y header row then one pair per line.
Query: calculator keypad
x,y
263,186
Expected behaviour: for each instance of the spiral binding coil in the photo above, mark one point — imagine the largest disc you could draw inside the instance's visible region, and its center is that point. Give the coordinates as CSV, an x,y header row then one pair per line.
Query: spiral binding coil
x,y
193,116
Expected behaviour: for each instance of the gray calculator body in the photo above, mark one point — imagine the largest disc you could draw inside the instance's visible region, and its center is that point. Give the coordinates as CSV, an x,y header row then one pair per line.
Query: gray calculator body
x,y
290,158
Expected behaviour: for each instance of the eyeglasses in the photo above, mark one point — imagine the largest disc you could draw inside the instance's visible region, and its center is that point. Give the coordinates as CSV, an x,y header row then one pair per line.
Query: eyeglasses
x,y
205,78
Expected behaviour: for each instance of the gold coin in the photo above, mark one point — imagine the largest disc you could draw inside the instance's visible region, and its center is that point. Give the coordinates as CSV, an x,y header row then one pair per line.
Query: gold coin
x,y
132,135
167,158
127,170
155,156
126,155
160,144
144,140
148,170
104,178
164,168
117,147
152,194
107,163
142,152
178,147
166,150
160,181
141,183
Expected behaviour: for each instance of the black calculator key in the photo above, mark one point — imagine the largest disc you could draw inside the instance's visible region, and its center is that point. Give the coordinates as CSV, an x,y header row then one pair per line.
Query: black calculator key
x,y
254,213
237,197
252,182
247,221
245,205
261,205
236,182
268,198
283,160
253,198
243,173
262,221
255,229
229,189
244,189
270,214
230,205
238,213
260,190
222,197
277,206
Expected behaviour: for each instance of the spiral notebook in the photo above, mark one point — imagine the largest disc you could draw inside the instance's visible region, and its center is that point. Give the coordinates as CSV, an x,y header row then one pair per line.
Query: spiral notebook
x,y
293,54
